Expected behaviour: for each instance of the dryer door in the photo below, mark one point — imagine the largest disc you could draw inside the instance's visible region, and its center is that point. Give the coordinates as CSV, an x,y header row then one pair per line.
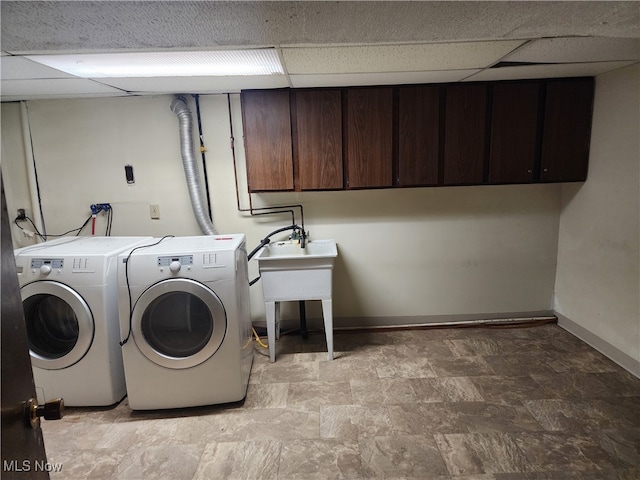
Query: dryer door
x,y
178,323
59,322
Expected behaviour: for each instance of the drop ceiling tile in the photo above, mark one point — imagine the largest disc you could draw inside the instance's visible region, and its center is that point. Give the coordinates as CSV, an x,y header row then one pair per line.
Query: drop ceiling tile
x,y
395,58
577,49
55,86
395,78
196,84
20,68
51,96
547,71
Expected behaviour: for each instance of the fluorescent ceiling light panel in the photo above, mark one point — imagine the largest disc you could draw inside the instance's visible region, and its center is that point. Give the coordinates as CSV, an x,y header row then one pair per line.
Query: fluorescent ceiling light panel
x,y
166,64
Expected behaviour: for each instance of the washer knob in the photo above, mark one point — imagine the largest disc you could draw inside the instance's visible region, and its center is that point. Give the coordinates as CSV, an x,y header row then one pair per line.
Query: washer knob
x,y
45,269
175,266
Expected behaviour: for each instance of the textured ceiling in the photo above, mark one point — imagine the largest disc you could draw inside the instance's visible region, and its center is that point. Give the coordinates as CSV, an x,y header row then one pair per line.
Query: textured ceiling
x,y
55,26
391,39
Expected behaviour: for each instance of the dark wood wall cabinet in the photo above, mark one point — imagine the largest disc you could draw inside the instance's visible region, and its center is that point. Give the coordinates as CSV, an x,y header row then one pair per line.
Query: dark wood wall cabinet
x,y
510,132
465,134
566,131
418,135
266,119
318,131
369,134
514,132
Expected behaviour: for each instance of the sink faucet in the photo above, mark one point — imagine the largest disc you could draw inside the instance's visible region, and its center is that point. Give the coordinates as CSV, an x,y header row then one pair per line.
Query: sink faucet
x,y
300,235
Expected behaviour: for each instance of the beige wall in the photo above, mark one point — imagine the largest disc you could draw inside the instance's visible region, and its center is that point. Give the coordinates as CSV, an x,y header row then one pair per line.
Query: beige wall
x,y
14,169
597,282
403,253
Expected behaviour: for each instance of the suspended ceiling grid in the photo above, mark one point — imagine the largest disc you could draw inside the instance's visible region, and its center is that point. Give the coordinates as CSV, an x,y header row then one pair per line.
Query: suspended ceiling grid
x,y
319,43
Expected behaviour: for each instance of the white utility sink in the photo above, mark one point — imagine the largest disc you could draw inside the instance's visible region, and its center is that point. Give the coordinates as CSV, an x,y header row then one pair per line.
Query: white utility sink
x,y
290,272
313,249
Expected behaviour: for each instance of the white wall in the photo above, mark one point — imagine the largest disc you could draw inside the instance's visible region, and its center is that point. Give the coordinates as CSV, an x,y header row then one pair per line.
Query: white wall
x,y
14,168
407,253
597,282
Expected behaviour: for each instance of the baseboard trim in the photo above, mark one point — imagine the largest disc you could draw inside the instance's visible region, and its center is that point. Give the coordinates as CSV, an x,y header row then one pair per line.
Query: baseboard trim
x,y
351,323
613,353
419,321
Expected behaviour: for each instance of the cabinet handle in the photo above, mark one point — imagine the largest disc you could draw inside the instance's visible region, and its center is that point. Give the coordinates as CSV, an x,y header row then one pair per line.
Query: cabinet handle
x,y
545,170
529,171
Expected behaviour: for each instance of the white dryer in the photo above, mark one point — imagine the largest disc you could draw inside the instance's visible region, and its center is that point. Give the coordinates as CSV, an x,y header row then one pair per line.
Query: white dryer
x,y
69,294
186,322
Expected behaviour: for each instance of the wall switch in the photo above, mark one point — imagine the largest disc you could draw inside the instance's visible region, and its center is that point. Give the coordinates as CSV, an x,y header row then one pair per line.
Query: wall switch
x,y
155,211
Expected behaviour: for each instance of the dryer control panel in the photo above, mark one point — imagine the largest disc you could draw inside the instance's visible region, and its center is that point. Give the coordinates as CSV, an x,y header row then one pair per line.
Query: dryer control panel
x,y
46,265
175,262
181,259
51,262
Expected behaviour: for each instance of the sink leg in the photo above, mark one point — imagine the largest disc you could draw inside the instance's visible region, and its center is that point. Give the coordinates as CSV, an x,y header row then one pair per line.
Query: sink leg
x,y
303,320
327,313
270,308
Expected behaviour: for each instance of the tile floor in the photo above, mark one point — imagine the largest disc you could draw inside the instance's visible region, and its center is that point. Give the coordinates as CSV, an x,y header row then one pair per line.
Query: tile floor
x,y
465,403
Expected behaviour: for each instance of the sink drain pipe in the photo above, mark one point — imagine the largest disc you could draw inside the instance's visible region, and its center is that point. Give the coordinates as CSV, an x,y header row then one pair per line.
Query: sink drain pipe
x,y
180,108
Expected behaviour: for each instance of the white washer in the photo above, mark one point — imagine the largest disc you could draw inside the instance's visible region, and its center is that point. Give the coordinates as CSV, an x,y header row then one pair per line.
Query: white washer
x,y
184,306
69,294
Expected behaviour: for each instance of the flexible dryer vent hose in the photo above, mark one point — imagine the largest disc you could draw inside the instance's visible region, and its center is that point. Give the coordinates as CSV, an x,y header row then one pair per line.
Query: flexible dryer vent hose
x,y
180,108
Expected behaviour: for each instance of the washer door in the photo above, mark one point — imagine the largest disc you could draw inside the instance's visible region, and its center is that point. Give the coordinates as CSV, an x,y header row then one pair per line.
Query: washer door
x,y
179,323
60,326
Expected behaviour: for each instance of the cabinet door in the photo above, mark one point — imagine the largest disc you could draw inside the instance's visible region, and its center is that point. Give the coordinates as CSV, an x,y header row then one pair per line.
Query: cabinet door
x,y
567,130
267,138
319,139
514,126
465,130
370,137
418,135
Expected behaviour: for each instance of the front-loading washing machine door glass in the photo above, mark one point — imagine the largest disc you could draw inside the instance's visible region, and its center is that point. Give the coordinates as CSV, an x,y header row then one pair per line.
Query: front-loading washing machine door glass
x,y
59,324
179,323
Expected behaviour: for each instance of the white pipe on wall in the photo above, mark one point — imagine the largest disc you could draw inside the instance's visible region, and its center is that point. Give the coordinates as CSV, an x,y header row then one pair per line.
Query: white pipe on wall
x,y
31,170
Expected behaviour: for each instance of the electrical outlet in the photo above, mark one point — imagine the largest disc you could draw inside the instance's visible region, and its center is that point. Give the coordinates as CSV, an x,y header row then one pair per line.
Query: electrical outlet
x,y
155,211
21,214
